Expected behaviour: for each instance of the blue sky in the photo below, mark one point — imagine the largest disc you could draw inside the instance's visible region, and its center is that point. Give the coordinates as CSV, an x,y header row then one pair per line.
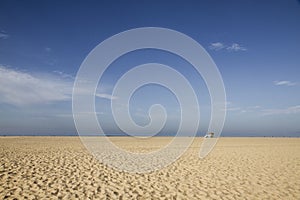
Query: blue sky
x,y
255,45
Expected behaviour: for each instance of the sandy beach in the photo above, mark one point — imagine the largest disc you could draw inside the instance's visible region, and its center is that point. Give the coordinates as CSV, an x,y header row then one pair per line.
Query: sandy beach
x,y
237,168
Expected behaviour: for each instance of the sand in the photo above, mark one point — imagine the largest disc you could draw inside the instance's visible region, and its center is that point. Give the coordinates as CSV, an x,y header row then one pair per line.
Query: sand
x,y
237,168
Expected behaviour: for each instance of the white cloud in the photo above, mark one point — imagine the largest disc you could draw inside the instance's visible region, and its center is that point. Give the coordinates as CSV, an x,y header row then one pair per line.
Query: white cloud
x,y
289,110
254,107
217,46
241,109
233,109
230,107
22,88
284,83
63,74
259,110
228,103
106,96
3,35
236,47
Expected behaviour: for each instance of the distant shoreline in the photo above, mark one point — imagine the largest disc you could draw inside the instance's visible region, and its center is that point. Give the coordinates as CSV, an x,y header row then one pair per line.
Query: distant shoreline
x,y
163,136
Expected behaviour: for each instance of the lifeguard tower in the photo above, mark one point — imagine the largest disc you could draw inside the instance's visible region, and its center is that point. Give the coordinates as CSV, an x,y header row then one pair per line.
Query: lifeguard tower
x,y
209,135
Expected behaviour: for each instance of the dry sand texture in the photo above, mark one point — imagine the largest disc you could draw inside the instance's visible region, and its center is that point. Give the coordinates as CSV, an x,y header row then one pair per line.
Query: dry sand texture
x,y
237,168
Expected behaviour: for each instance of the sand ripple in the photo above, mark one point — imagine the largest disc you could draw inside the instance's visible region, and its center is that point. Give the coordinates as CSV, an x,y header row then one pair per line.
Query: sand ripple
x,y
238,168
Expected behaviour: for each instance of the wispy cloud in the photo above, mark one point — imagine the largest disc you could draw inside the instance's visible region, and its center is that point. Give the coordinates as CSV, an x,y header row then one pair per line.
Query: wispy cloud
x,y
262,111
233,109
22,88
3,35
63,74
288,110
236,47
284,83
106,96
217,46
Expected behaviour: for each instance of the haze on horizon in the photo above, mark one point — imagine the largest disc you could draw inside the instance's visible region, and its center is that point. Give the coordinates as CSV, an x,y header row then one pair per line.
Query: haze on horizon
x,y
255,44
